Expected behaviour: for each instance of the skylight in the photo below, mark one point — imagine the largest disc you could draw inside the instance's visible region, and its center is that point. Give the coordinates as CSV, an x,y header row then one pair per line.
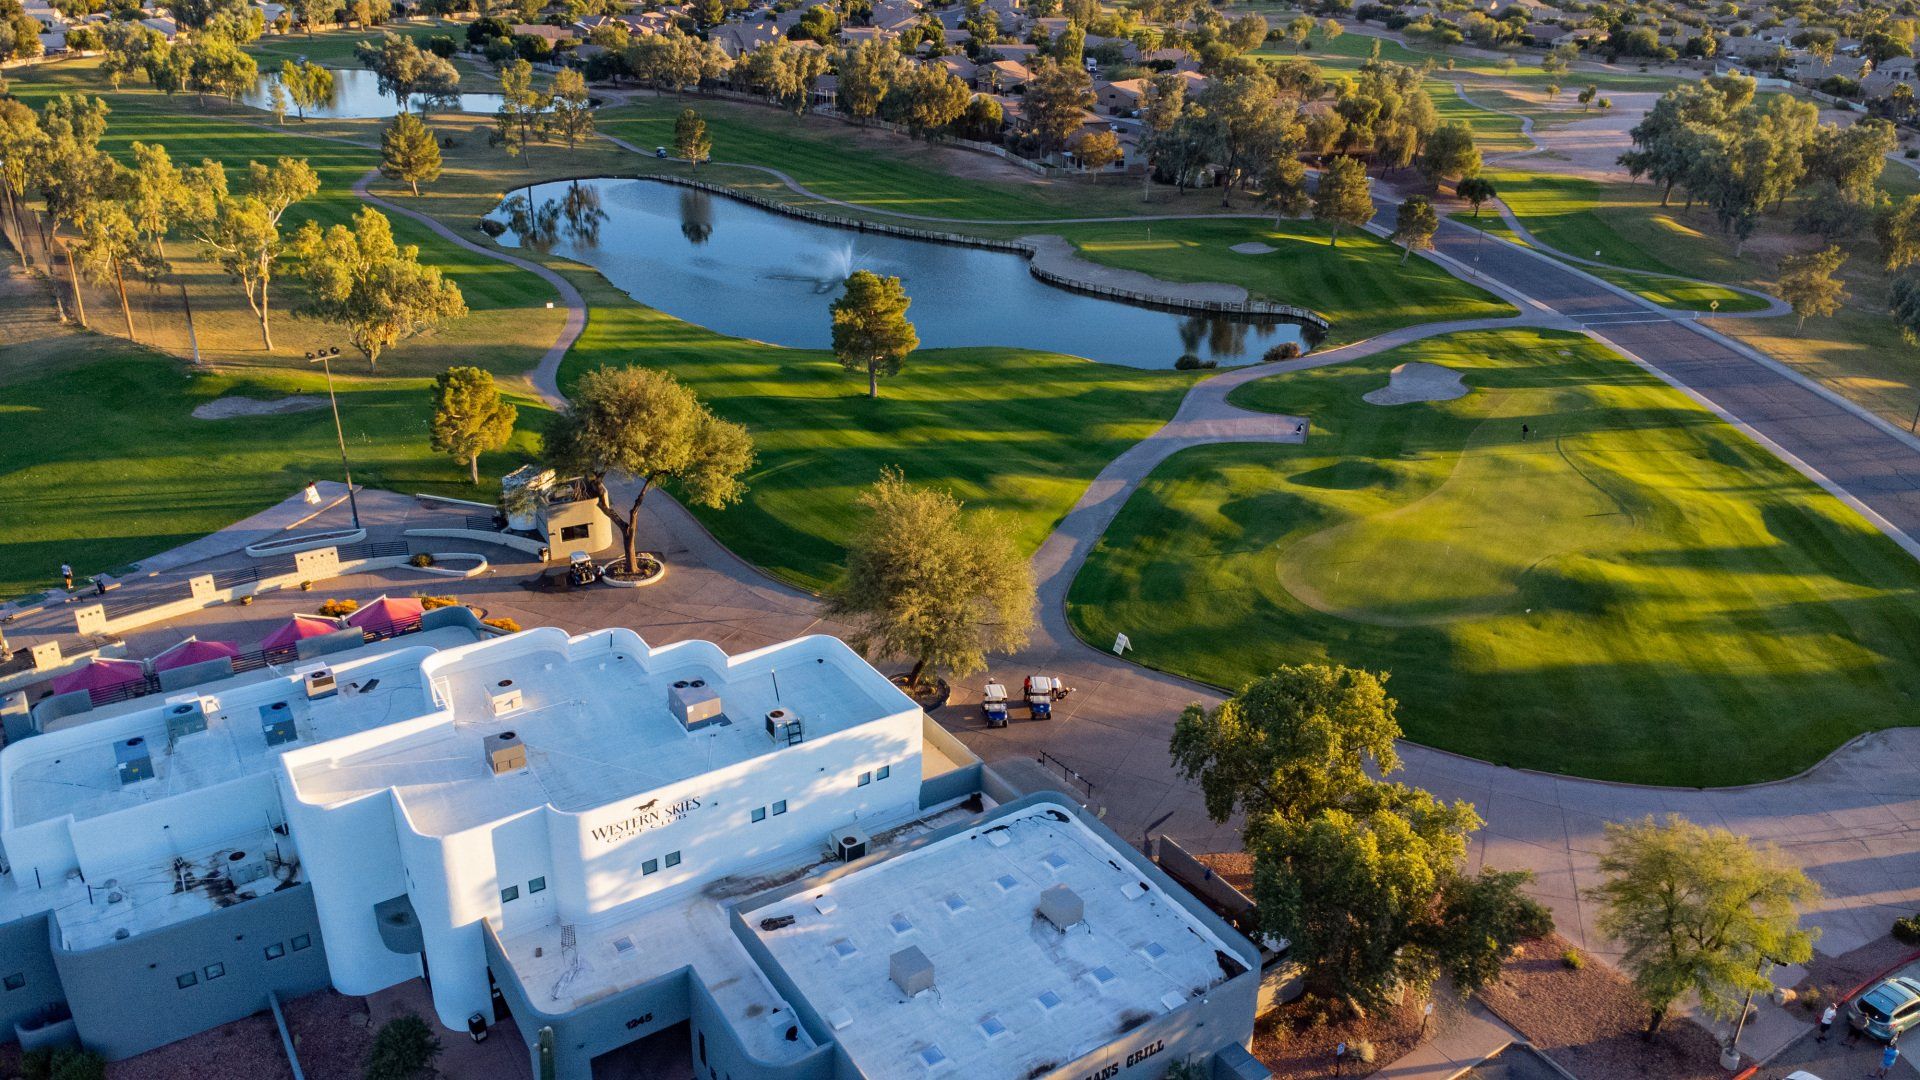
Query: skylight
x,y
956,903
1055,861
1101,975
623,944
843,948
1048,1000
1153,950
933,1056
901,924
1007,882
992,1028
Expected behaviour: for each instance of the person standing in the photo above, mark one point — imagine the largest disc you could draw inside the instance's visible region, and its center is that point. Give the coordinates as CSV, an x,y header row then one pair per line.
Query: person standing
x,y
1826,1021
66,576
1887,1058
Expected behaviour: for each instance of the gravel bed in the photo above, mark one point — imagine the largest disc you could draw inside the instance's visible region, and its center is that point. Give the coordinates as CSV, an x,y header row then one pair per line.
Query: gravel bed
x,y
330,1032
246,1049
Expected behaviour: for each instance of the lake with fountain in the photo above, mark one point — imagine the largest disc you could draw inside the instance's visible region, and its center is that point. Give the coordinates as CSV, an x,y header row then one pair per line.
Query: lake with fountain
x,y
752,273
357,96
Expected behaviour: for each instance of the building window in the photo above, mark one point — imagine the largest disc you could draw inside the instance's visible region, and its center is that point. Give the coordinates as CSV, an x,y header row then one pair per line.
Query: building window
x,y
779,808
301,942
189,979
883,772
651,866
538,884
673,858
759,813
509,894
275,952
865,779
16,980
575,532
214,971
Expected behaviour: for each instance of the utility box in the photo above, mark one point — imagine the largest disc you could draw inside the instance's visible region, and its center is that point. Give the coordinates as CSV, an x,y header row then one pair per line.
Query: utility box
x,y
277,724
694,703
507,701
135,761
783,727
505,753
187,715
1062,907
245,868
319,681
911,971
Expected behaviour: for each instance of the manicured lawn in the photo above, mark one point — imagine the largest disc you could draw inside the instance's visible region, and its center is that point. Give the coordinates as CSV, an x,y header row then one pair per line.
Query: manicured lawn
x,y
509,326
1361,286
1636,593
103,463
1017,432
1493,133
869,167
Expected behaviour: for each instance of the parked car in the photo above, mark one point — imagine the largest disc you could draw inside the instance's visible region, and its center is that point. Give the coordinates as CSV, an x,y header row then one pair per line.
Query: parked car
x,y
1890,1008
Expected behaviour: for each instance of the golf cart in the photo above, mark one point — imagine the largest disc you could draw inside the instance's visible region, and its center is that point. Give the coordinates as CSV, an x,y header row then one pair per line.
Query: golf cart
x,y
993,701
1041,692
580,569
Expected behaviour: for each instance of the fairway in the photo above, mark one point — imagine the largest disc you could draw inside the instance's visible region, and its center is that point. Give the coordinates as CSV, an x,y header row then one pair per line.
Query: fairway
x,y
1634,591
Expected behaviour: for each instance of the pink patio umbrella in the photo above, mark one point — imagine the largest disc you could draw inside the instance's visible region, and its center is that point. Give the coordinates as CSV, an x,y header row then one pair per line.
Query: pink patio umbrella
x,y
101,674
194,651
387,615
298,629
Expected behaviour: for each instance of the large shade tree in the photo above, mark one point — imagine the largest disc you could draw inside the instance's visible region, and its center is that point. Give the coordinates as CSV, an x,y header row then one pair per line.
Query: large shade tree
x,y
376,288
643,424
870,328
927,580
1699,911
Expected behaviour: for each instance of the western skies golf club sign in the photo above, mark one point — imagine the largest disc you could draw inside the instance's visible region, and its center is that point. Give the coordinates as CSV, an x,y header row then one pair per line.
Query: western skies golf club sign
x,y
647,815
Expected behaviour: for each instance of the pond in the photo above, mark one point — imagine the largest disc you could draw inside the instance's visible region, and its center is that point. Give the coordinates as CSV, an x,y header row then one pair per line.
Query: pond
x,y
752,273
357,96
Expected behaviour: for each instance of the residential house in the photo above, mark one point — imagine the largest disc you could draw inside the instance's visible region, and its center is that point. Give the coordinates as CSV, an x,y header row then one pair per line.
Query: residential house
x,y
1003,75
737,39
1121,98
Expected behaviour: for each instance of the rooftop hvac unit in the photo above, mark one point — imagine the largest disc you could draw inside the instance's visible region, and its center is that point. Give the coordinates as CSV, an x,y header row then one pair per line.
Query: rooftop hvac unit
x,y
276,723
187,714
911,971
694,703
134,760
1062,907
245,868
319,681
507,701
783,727
849,844
505,753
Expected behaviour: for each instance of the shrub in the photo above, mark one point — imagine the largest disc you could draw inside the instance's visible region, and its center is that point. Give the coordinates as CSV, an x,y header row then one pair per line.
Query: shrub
x,y
1907,929
334,608
1813,998
428,603
404,1049
492,227
1190,362
1573,959
1286,350
423,559
64,1063
442,45
503,623
1363,1051
1912,153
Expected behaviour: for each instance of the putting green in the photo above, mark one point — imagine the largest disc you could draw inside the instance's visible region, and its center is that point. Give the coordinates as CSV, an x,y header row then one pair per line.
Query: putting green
x,y
1635,592
1468,549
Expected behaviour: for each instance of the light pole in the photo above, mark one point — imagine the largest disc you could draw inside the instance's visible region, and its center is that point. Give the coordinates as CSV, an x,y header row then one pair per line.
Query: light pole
x,y
323,357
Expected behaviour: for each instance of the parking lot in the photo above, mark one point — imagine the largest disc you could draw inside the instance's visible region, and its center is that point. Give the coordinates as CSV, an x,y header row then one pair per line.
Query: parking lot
x,y
1844,1055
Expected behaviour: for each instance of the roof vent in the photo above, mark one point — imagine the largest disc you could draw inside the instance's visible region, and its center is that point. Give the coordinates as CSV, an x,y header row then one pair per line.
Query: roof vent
x,y
694,703
187,714
134,759
277,724
910,970
1062,907
505,753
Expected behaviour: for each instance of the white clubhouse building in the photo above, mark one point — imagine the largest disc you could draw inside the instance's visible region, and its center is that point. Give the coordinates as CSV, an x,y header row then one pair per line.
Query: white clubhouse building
x,y
774,857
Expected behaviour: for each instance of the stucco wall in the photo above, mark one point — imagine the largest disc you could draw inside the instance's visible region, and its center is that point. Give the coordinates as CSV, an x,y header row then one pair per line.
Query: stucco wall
x,y
26,951
126,997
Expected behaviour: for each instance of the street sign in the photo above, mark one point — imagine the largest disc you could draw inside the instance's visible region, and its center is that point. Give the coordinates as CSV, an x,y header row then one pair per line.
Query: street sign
x,y
1121,644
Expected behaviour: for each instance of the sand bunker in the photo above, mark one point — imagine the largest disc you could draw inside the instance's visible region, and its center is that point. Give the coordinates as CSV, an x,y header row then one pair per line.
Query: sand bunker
x,y
1254,247
1416,381
234,405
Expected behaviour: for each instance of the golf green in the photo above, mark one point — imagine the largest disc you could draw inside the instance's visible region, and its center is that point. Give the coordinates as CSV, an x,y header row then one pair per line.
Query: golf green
x,y
1572,568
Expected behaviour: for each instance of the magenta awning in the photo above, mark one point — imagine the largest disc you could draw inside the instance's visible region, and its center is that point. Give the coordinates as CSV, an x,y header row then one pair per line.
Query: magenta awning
x,y
386,615
101,673
194,651
298,629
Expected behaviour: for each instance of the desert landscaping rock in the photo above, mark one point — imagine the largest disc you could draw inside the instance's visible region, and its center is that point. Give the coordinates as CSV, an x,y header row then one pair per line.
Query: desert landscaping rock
x,y
1253,247
225,408
1415,381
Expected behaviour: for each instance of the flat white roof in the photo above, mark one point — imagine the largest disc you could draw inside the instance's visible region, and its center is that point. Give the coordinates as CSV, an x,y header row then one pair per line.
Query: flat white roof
x,y
595,722
74,770
1011,993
